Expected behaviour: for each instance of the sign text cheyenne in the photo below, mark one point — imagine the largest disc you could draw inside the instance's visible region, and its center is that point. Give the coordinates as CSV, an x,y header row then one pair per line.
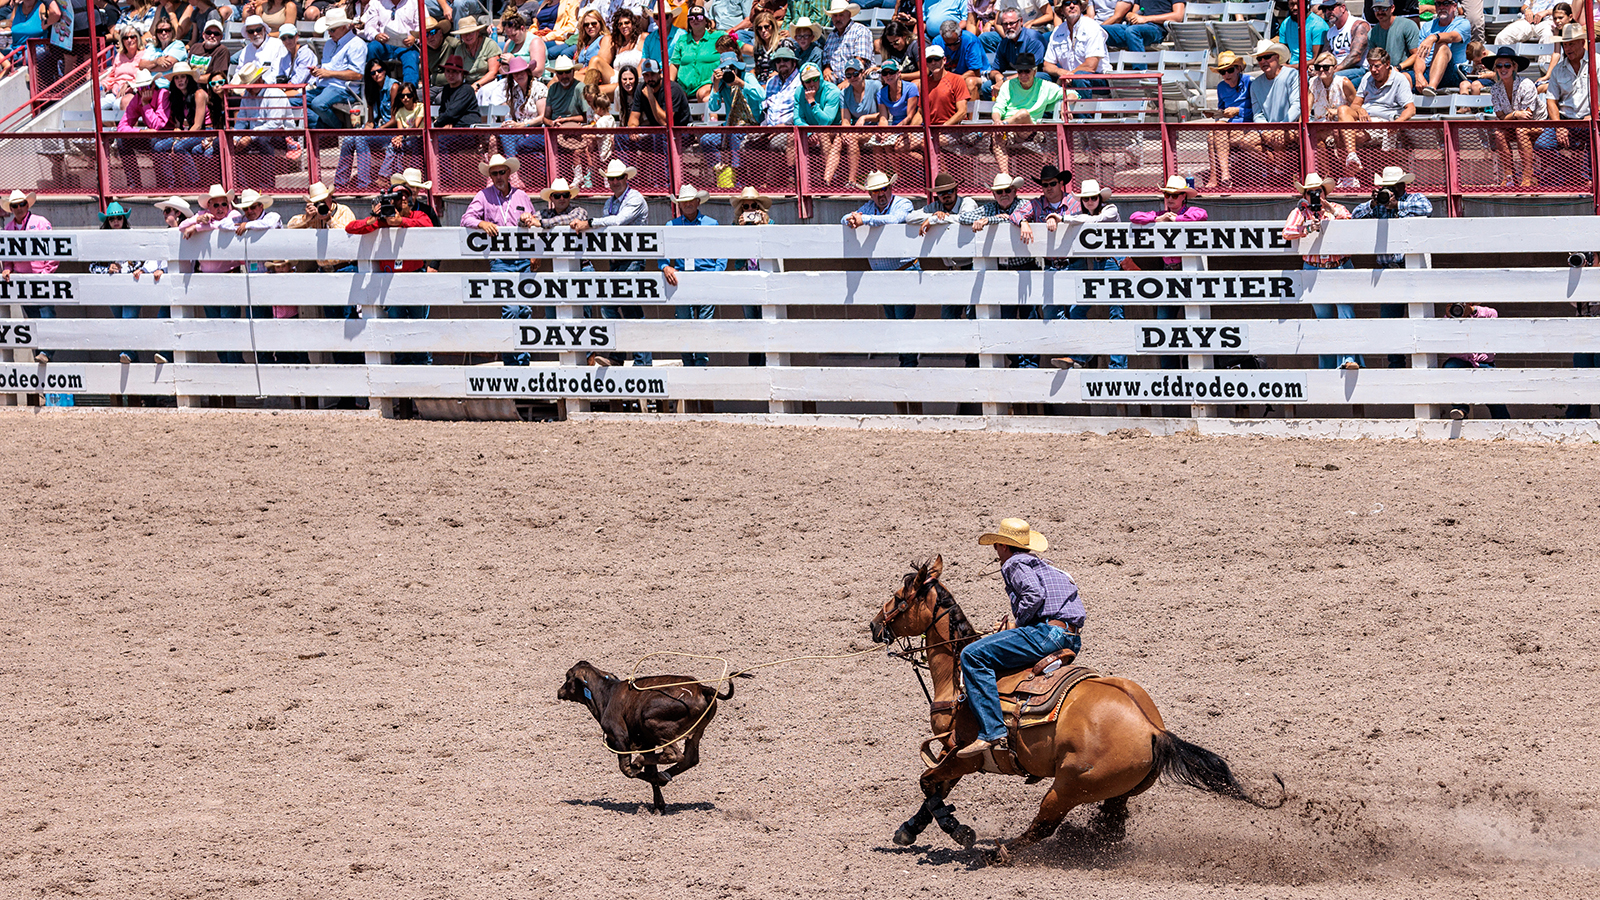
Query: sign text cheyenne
x,y
611,243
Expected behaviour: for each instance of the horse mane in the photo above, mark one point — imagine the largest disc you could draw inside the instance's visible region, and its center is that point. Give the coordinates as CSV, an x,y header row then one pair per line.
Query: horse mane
x,y
960,627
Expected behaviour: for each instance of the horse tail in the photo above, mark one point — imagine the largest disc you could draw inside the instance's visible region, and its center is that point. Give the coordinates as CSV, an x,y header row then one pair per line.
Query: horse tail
x,y
729,694
1197,767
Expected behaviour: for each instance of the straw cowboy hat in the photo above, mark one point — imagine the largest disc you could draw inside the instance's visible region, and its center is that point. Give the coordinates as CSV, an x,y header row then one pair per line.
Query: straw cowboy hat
x,y
689,193
617,169
176,204
806,23
1226,59
877,181
1016,533
1315,182
333,18
1571,31
1092,188
411,178
182,68
318,192
471,24
562,64
20,197
215,193
1268,45
945,182
1391,176
114,210
559,186
143,79
1177,184
250,197
1003,182
843,6
751,195
495,162
248,74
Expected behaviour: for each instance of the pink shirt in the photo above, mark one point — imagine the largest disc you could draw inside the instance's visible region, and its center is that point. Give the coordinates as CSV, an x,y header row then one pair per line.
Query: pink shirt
x,y
231,220
153,117
1479,359
34,222
1188,214
490,207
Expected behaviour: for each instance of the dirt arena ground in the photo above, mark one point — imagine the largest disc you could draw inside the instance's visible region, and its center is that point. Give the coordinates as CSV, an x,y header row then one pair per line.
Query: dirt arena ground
x,y
277,656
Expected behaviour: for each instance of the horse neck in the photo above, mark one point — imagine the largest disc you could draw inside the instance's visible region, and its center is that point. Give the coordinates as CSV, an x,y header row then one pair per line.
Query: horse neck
x,y
944,652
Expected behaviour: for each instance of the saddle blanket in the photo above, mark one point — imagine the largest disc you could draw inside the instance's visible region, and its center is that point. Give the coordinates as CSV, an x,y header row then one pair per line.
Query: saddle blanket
x,y
1027,699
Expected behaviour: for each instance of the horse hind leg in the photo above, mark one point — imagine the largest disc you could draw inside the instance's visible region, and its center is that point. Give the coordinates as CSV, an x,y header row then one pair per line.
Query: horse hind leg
x,y
1110,821
1052,811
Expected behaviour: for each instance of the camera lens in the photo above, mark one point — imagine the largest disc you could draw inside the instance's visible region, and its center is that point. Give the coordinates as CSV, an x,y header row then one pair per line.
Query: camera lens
x,y
1577,260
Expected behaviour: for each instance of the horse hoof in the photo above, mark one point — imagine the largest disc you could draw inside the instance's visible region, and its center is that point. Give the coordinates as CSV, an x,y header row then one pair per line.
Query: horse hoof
x,y
903,837
999,856
965,836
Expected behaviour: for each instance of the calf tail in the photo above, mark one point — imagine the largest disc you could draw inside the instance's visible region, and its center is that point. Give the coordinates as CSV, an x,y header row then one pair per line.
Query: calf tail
x,y
1197,767
729,694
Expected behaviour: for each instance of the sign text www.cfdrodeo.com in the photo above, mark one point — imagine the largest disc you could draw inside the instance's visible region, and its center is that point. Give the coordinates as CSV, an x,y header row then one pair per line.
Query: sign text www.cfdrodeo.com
x,y
1211,386
568,383
36,379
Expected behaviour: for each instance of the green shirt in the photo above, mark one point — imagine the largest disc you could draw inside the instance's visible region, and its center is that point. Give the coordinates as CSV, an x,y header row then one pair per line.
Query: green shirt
x,y
696,60
1038,103
1400,39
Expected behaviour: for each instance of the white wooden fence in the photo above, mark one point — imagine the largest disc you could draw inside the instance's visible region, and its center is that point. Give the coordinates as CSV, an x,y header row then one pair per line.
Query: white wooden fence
x,y
1285,330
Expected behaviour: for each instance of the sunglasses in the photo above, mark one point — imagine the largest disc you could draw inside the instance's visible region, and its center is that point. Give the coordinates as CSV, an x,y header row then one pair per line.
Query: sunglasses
x,y
949,193
616,178
1505,65
1232,70
1323,68
1045,184
163,31
19,206
254,31
561,196
1006,191
495,172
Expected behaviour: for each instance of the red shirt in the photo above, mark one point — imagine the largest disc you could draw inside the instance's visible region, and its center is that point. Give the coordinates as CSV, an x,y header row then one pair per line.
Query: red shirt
x,y
940,99
368,226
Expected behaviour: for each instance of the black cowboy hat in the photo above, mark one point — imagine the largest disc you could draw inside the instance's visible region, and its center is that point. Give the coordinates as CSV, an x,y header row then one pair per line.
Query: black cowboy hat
x,y
1506,53
1051,173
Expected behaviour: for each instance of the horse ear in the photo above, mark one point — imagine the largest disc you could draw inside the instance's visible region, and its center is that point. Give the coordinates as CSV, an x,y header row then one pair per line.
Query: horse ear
x,y
933,568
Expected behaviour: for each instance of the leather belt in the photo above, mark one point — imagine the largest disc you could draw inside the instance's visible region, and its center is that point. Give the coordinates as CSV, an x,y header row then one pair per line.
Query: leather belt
x,y
1060,624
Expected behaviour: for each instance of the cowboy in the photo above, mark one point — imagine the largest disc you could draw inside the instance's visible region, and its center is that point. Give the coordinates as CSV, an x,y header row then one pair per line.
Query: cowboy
x,y
1175,207
1275,95
624,207
884,208
323,214
848,40
23,218
1568,92
1306,220
687,202
1008,206
559,209
338,78
1389,187
1049,617
216,213
405,216
500,205
253,215
946,209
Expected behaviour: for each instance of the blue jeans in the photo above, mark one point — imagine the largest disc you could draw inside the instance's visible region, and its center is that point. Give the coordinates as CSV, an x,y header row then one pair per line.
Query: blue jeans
x,y
1582,361
723,148
409,312
515,312
359,148
1134,38
410,145
127,312
1496,410
1021,312
1001,652
41,312
1328,311
513,144
410,59
755,359
628,312
902,311
232,357
1171,361
1393,311
699,312
320,106
552,50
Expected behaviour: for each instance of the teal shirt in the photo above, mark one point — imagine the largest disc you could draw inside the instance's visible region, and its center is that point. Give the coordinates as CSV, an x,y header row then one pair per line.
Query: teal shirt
x,y
823,112
1317,33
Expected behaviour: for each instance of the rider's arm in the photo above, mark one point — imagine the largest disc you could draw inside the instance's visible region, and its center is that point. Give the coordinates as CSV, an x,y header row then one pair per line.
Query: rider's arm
x,y
1027,593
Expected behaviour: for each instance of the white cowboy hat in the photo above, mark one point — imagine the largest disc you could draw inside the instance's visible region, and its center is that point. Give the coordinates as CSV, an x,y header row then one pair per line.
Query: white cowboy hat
x,y
689,193
333,18
216,192
176,204
471,24
839,6
1571,31
181,68
143,79
562,64
250,197
254,20
1315,182
1391,176
1177,184
1016,533
617,169
22,197
751,195
495,162
805,22
411,178
250,73
1269,45
1092,188
1003,181
877,181
317,191
559,186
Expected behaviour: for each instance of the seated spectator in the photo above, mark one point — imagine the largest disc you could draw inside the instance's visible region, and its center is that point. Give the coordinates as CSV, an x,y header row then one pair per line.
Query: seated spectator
x,y
344,62
898,102
441,46
458,108
298,60
147,110
481,60
195,112
1014,40
1568,93
781,89
116,82
393,32
1431,70
947,92
659,100
276,13
898,45
1515,99
1349,38
1384,96
263,110
694,56
1233,105
1399,35
1316,34
136,14
818,105
848,40
1272,96
355,151
209,56
1305,221
765,39
806,42
737,104
518,42
526,98
1329,90
261,47
1135,30
1475,76
963,54
1560,17
1077,46
1473,360
164,51
403,147
1023,100
937,12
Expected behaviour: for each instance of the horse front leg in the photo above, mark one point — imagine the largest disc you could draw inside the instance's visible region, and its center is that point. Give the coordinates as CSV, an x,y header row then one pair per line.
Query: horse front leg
x,y
937,783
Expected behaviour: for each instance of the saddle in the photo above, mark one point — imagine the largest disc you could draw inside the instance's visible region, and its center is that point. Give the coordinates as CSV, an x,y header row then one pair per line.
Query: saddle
x,y
1035,695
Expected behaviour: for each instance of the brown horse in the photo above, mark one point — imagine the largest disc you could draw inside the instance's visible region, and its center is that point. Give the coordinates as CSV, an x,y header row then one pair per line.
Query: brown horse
x,y
1107,744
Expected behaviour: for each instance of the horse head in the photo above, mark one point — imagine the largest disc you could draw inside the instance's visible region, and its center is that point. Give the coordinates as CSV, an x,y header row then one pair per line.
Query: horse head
x,y
913,608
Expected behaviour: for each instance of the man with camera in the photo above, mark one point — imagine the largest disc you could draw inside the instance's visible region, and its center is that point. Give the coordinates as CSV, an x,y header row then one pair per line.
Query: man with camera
x,y
1391,200
392,209
1305,221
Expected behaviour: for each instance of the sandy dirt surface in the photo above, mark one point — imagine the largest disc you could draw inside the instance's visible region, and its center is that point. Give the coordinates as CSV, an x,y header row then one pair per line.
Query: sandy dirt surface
x,y
277,656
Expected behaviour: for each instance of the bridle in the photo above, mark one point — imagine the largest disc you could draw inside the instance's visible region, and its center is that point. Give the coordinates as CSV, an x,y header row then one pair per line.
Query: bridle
x,y
915,653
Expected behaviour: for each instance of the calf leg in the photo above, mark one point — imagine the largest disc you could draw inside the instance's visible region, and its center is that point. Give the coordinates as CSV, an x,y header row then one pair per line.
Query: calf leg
x,y
658,803
688,760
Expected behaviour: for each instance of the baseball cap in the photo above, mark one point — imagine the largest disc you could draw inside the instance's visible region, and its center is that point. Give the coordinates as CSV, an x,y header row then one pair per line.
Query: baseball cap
x,y
933,50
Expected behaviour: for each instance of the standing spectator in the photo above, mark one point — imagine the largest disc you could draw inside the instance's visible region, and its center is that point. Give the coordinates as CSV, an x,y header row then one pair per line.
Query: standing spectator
x,y
1233,105
694,56
1175,207
623,208
261,47
884,208
946,209
848,40
1473,360
216,213
402,216
1305,221
298,60
23,218
962,53
1431,70
1077,46
752,208
1535,26
1289,34
323,214
1348,37
1135,30
947,92
1055,206
1568,93
1007,206
1391,200
497,206
1014,41
1026,99
1097,208
688,203
344,60
559,209
1515,99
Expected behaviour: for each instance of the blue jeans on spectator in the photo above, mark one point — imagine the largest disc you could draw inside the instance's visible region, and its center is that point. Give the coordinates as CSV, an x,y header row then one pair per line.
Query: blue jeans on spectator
x,y
126,312
699,311
1393,311
41,312
723,148
755,359
359,148
991,44
516,312
320,107
1003,651
552,50
410,145
956,311
513,144
345,357
1496,410
1171,361
1021,312
410,59
1332,310
876,4
1134,38
409,312
628,312
232,357
1582,361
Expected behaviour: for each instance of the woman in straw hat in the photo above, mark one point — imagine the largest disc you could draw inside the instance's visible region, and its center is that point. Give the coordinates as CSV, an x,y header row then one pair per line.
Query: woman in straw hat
x,y
1514,99
751,207
1097,209
1175,207
1233,106
1046,617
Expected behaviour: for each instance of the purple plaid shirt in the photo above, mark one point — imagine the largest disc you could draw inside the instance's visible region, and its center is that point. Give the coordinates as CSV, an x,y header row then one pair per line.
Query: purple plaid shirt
x,y
1040,591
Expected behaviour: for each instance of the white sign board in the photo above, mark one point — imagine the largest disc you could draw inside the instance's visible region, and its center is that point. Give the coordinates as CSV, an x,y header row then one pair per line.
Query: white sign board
x,y
597,383
42,378
1198,386
561,288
